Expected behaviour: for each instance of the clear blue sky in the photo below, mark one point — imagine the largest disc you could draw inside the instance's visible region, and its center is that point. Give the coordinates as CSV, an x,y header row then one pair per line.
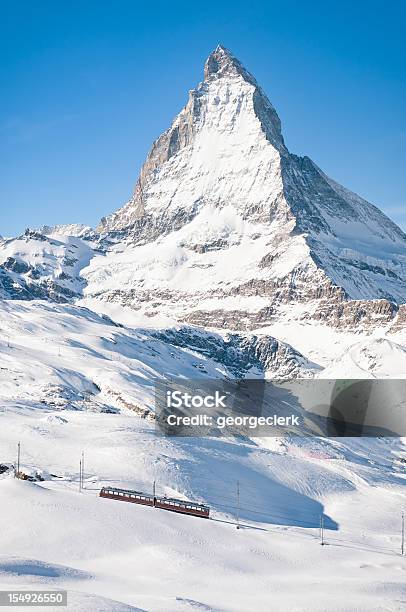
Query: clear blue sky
x,y
86,86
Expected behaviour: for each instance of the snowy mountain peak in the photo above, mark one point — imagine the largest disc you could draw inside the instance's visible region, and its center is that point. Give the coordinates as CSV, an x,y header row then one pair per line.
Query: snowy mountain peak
x,y
227,229
221,62
220,194
225,126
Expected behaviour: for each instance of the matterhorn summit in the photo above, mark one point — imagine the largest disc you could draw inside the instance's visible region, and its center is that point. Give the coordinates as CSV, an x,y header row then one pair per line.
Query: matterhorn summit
x,y
227,228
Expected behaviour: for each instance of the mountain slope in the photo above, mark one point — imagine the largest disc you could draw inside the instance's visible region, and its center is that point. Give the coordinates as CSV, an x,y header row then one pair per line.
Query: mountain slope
x,y
225,221
159,561
43,266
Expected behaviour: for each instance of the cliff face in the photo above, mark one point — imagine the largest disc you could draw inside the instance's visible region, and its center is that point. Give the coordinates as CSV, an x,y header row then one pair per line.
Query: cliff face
x,y
227,227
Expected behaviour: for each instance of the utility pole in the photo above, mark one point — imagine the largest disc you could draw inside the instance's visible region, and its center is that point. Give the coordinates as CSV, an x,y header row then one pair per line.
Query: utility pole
x,y
18,457
83,469
153,492
238,504
402,547
80,476
321,530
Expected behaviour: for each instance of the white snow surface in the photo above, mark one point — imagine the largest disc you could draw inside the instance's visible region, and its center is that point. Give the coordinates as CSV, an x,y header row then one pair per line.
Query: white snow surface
x,y
109,555
62,367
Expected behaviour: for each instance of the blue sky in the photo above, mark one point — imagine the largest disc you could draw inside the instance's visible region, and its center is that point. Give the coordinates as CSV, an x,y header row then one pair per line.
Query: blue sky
x,y
87,86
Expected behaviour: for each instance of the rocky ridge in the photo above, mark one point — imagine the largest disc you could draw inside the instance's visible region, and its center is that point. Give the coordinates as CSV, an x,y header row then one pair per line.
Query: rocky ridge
x,y
220,185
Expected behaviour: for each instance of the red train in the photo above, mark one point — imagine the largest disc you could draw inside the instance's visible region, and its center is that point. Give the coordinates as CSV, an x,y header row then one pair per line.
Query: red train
x,y
174,505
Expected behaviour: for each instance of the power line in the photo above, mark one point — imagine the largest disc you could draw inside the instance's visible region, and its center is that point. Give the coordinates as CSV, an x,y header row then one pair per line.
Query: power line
x,y
285,517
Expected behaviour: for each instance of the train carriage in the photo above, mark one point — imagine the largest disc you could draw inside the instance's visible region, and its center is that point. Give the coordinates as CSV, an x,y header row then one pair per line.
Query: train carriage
x,y
184,507
164,503
135,497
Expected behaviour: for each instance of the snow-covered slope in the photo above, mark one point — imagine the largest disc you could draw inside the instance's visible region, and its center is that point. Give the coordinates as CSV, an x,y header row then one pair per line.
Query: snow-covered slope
x,y
71,357
109,555
374,358
73,381
41,266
